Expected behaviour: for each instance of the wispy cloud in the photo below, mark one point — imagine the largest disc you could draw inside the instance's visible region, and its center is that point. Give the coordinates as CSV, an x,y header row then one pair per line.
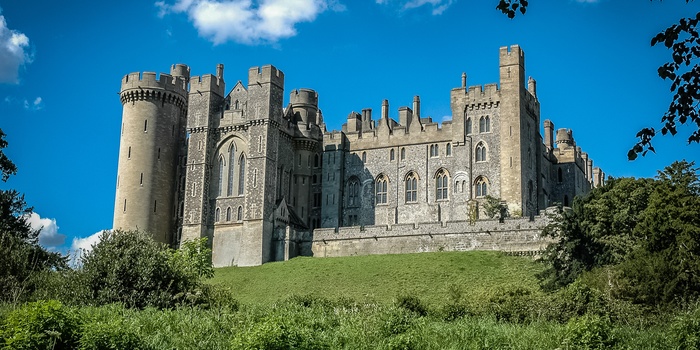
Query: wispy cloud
x,y
35,105
438,6
248,21
48,236
588,1
14,52
81,246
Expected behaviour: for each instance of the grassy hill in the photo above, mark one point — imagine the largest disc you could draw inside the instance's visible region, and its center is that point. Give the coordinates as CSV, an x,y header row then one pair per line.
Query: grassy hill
x,y
432,277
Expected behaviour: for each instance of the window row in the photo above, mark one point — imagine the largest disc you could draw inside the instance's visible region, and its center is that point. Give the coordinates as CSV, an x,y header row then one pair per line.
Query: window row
x,y
410,186
484,124
239,214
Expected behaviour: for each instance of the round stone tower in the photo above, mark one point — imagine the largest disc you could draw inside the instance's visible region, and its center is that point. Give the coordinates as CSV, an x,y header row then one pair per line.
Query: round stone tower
x,y
149,150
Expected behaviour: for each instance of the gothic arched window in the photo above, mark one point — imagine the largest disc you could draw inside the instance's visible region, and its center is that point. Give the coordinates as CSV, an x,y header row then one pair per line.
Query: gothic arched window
x,y
484,124
403,153
353,192
221,177
241,175
469,126
441,185
381,189
448,149
391,154
231,173
228,214
411,186
480,152
240,214
481,185
217,214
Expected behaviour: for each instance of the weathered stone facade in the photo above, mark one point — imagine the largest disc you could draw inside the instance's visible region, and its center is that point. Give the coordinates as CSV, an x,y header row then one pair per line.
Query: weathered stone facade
x,y
268,183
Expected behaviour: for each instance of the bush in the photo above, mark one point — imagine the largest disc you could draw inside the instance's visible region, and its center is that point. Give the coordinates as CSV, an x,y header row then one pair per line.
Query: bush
x,y
396,321
411,303
40,325
110,335
517,305
129,267
275,333
589,332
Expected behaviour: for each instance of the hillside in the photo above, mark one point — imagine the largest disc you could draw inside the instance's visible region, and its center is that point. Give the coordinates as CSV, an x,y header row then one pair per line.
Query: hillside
x,y
429,276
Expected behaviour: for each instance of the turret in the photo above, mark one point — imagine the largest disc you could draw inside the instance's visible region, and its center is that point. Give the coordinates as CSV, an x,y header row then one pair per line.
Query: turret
x,y
532,86
151,138
548,134
564,138
304,103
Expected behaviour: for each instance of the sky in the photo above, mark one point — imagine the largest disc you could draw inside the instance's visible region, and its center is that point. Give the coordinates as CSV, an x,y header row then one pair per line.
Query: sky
x,y
61,63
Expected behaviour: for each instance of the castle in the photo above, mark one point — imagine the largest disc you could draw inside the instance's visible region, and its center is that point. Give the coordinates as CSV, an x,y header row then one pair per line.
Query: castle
x,y
267,182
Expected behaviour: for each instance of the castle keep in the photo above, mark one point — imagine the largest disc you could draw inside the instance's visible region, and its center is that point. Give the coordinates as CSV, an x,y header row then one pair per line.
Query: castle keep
x,y
267,182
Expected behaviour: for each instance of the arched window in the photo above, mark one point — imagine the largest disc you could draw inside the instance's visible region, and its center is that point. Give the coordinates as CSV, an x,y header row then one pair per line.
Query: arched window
x,y
228,214
241,175
239,217
441,185
448,149
231,168
217,215
480,152
559,175
434,150
391,154
221,176
469,126
381,189
484,124
364,157
316,161
403,153
411,186
464,182
481,185
353,192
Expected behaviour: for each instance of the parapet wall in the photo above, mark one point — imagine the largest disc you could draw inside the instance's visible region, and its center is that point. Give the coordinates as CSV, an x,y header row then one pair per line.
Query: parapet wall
x,y
521,235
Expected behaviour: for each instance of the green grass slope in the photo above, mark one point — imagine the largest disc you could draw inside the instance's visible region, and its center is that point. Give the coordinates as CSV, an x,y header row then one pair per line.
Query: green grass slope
x,y
432,277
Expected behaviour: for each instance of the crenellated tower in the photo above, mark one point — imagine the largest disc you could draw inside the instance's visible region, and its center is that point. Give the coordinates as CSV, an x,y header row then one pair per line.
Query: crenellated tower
x,y
152,135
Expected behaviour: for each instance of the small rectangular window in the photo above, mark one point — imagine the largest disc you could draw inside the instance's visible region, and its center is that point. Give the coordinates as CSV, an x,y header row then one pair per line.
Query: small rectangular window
x,y
155,206
141,181
125,205
145,125
128,156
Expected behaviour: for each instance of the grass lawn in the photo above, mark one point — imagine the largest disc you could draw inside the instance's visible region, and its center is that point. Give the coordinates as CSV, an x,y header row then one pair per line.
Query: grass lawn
x,y
432,277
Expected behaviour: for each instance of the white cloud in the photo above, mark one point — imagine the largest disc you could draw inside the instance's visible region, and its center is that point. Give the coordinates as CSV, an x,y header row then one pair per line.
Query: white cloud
x,y
438,6
248,21
13,52
48,236
81,246
34,105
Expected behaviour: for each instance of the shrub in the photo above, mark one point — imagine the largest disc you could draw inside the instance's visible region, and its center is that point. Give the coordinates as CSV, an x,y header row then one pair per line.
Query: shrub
x,y
40,325
129,267
411,303
275,333
589,332
515,305
396,321
110,335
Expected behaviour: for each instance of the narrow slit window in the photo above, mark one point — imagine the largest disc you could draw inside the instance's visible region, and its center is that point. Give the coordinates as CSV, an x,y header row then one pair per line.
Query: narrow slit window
x,y
145,125
141,181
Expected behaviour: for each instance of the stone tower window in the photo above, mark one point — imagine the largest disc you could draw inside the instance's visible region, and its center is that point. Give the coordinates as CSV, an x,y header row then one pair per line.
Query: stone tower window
x,y
128,156
391,154
448,149
364,157
228,214
240,214
155,206
316,161
353,192
221,177
559,175
566,202
480,152
434,150
241,175
484,124
469,126
217,214
411,186
381,189
145,125
231,171
481,185
125,205
441,185
403,153
141,181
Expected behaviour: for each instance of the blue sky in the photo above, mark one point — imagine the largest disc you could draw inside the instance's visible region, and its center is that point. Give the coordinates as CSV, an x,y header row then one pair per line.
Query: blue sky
x,y
61,63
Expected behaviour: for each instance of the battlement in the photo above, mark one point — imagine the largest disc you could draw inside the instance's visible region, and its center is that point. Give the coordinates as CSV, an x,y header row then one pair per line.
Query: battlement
x,y
207,83
303,97
511,55
264,75
150,80
480,91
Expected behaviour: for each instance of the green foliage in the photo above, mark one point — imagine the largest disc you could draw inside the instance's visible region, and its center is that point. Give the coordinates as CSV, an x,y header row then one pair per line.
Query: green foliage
x,y
495,207
40,325
110,335
590,332
685,330
129,267
411,303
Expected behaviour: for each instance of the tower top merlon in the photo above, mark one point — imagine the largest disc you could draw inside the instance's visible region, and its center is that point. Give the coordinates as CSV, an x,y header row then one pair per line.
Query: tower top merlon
x,y
306,97
149,80
268,74
512,55
207,83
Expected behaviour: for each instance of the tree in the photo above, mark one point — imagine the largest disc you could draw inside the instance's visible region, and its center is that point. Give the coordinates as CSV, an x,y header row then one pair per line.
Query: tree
x,y
682,70
21,256
495,207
